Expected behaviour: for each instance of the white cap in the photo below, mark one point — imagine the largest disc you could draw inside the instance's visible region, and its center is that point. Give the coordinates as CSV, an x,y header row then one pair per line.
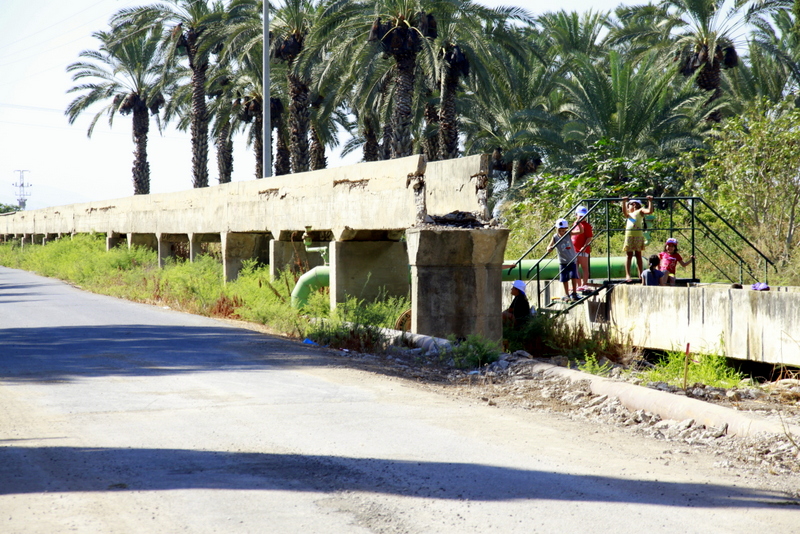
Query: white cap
x,y
562,223
519,284
582,211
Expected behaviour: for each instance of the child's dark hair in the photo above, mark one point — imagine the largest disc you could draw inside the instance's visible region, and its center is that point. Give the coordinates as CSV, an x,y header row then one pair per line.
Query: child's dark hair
x,y
654,260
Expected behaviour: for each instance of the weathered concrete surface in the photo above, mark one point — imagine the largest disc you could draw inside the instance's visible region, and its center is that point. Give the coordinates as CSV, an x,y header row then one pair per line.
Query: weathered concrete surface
x,y
344,200
456,281
739,323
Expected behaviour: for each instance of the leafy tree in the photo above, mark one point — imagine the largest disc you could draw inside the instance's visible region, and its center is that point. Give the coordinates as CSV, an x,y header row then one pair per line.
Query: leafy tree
x,y
752,173
128,76
8,208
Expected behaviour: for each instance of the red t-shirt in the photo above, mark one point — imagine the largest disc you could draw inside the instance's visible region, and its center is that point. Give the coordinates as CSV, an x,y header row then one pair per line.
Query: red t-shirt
x,y
579,240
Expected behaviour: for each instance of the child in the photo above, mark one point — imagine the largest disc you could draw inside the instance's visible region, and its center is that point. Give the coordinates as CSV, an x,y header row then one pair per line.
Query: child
x,y
652,276
634,231
670,259
566,259
581,240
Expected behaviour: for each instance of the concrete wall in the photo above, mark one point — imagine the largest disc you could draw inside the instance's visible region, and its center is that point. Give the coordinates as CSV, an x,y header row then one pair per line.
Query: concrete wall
x,y
762,326
367,197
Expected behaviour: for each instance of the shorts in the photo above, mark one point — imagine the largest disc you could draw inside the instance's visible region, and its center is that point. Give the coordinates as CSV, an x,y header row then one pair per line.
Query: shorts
x,y
568,272
583,254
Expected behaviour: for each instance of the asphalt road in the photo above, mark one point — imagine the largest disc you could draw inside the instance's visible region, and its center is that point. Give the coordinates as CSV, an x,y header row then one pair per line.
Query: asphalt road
x,y
118,417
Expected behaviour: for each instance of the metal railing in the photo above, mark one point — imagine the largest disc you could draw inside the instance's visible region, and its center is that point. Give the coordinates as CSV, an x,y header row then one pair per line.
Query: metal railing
x,y
691,211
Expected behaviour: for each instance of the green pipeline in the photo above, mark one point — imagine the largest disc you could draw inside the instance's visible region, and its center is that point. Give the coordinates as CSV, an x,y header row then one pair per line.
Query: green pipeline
x,y
548,268
320,276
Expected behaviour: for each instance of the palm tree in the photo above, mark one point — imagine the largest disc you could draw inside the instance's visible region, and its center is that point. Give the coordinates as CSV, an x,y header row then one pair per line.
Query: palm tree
x,y
635,106
398,30
189,33
705,37
469,36
129,77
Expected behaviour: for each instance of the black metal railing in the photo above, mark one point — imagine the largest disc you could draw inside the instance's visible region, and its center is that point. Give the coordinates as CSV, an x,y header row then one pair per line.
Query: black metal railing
x,y
691,212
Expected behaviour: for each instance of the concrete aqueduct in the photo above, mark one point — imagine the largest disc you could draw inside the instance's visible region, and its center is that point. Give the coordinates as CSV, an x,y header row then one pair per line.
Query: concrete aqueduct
x,y
371,219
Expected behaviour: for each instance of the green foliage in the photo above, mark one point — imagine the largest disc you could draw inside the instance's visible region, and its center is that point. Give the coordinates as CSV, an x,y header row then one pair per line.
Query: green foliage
x,y
591,366
709,369
352,326
7,208
548,335
751,175
475,351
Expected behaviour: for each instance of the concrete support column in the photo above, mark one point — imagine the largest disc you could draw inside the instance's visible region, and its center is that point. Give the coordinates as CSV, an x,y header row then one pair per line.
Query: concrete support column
x,y
364,269
292,255
25,240
148,241
48,238
456,281
113,240
237,247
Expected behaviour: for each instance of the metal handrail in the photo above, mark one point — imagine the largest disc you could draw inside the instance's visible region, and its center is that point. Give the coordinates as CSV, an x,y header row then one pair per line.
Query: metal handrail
x,y
686,203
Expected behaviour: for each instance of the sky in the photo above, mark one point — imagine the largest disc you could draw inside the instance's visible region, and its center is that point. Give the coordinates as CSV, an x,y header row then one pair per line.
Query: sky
x,y
38,40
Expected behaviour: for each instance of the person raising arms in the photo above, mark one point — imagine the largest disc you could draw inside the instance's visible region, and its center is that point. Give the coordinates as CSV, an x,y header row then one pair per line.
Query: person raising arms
x,y
634,231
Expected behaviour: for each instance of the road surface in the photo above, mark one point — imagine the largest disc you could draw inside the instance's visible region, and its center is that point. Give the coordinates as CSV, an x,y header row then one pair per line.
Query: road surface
x,y
118,417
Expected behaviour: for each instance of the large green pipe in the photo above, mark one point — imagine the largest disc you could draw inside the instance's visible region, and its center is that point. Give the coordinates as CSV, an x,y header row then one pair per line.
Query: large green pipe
x,y
598,267
548,269
312,280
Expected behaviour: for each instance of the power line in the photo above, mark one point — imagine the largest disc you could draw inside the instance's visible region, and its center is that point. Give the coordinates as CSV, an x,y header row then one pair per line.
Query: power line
x,y
59,23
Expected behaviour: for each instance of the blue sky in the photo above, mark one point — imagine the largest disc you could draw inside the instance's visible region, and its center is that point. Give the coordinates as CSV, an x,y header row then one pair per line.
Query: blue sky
x,y
38,39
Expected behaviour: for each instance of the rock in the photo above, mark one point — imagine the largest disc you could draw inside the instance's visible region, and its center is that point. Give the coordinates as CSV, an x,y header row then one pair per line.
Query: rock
x,y
522,354
561,361
733,395
683,425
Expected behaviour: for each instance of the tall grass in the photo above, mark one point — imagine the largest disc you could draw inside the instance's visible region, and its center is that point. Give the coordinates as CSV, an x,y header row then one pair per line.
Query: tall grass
x,y
709,369
198,287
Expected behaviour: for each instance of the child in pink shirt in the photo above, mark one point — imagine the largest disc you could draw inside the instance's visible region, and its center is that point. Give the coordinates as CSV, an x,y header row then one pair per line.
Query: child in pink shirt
x,y
670,258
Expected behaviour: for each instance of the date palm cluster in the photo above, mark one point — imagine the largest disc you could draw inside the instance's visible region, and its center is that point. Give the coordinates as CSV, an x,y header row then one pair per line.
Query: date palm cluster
x,y
444,78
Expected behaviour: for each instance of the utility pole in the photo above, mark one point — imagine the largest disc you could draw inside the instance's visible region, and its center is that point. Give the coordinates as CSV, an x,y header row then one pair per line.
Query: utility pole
x,y
21,185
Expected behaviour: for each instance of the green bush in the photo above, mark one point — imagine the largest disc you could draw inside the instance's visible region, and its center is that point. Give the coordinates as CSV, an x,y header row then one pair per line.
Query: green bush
x,y
709,369
474,351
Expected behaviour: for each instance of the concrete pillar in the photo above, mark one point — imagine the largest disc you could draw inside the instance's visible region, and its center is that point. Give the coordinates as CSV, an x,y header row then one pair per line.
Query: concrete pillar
x,y
49,238
113,240
456,281
292,255
148,241
237,247
364,269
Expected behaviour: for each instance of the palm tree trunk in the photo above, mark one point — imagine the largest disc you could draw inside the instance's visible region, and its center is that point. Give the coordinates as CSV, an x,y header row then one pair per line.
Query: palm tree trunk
x,y
282,156
402,144
430,145
448,129
371,145
141,167
318,159
258,142
298,123
386,142
199,127
225,154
